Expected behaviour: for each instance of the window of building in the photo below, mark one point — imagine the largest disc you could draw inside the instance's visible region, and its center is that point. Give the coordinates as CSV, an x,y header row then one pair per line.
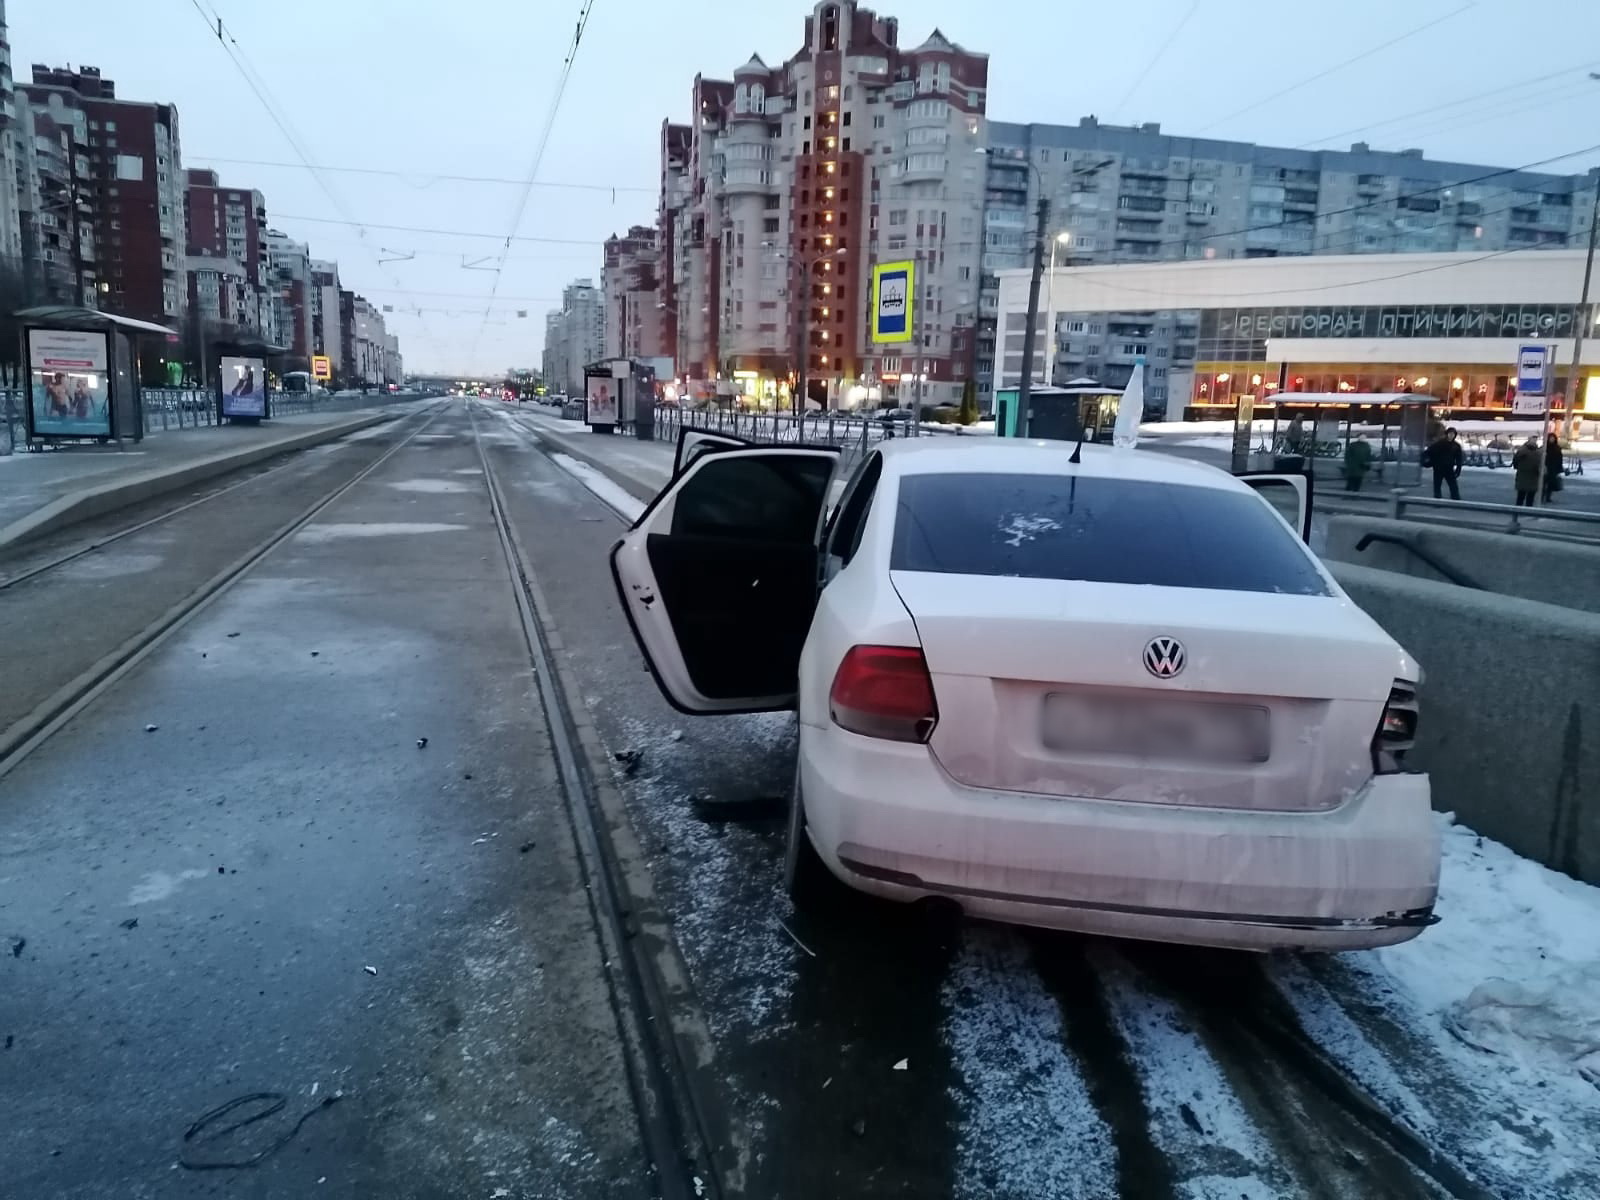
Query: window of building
x,y
877,122
846,145
805,147
897,216
807,122
130,167
847,118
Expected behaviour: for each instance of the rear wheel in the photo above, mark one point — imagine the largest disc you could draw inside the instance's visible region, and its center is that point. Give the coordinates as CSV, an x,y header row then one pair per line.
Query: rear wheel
x,y
806,877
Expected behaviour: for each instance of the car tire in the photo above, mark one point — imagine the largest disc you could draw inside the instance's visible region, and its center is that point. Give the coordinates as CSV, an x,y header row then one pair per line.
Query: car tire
x,y
811,886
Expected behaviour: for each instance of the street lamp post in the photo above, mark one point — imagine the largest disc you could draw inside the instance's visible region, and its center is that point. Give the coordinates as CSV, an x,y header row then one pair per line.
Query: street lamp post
x,y
1061,239
1581,323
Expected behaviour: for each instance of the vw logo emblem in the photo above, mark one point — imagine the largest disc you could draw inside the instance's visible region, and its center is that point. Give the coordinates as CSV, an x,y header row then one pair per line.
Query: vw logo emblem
x,y
1164,657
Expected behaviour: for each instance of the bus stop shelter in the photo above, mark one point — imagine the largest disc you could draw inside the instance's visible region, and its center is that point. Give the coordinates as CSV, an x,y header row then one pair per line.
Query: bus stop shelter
x,y
1081,409
1313,431
83,374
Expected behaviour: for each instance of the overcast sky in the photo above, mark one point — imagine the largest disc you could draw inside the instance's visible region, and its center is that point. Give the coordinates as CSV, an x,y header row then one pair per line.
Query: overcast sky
x,y
465,88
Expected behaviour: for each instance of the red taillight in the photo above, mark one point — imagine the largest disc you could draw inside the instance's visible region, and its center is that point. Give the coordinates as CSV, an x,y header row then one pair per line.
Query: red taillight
x,y
884,692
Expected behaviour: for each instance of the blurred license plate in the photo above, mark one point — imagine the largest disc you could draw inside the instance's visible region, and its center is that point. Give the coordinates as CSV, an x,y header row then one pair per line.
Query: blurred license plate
x,y
1172,730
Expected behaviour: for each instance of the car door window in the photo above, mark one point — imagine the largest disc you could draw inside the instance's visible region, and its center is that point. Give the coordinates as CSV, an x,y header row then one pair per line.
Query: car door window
x,y
774,498
844,538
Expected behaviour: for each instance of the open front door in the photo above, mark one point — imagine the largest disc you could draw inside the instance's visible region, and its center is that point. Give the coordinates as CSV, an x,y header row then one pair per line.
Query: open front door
x,y
719,577
1289,494
692,443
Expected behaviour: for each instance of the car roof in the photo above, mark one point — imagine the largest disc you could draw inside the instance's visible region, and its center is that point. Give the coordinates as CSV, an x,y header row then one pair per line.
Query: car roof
x,y
943,454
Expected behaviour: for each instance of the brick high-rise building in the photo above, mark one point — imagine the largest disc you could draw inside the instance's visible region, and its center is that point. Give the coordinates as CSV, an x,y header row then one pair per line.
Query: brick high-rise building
x,y
227,251
632,297
791,182
127,169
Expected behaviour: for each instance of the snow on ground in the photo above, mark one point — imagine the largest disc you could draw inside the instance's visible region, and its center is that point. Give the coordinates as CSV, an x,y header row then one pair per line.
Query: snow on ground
x,y
1029,1127
621,501
1195,1116
1503,998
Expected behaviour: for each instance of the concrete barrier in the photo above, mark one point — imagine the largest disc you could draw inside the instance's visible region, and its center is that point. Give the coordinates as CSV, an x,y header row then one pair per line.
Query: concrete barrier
x,y
98,499
1510,701
1535,568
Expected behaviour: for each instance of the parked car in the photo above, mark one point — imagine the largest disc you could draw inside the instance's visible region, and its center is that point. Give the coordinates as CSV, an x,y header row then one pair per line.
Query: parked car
x,y
1108,691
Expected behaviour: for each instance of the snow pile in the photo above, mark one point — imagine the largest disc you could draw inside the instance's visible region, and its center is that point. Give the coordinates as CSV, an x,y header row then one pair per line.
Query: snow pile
x,y
608,493
1553,1026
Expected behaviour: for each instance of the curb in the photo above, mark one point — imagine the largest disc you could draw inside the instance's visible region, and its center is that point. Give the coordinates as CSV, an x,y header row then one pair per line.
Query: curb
x,y
639,489
78,506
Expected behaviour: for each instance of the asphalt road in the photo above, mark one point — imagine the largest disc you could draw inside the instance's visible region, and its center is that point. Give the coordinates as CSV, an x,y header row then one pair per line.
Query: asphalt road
x,y
239,873
191,912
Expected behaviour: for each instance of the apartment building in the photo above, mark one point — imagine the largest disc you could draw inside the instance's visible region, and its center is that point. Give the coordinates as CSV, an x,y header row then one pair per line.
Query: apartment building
x,y
631,296
790,183
10,160
369,353
325,332
288,265
574,336
1132,194
113,167
227,261
55,201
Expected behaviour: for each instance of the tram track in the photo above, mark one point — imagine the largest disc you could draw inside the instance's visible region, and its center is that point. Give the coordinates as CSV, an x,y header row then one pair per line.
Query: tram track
x,y
86,546
33,728
693,1145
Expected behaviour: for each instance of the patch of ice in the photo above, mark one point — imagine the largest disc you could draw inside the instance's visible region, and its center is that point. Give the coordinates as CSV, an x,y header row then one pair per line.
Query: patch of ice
x,y
608,493
1029,1126
335,530
430,487
158,885
469,471
371,431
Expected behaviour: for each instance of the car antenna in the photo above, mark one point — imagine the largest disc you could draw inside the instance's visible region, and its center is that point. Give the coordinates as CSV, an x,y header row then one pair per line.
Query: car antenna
x,y
1077,451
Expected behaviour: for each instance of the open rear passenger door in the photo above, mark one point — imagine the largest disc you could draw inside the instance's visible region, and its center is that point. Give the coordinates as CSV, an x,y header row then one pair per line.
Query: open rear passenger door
x,y
718,578
1290,494
692,443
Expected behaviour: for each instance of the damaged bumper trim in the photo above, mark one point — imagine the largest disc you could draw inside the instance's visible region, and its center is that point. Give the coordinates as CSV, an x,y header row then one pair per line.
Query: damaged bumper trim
x,y
1410,918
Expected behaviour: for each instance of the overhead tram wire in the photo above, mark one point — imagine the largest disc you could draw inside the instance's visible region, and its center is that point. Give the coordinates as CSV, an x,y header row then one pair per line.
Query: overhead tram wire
x,y
533,169
430,176
258,85
1535,81
1156,58
1323,74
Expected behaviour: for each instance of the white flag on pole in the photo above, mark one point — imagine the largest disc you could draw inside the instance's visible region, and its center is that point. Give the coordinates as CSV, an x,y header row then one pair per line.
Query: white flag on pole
x,y
1131,411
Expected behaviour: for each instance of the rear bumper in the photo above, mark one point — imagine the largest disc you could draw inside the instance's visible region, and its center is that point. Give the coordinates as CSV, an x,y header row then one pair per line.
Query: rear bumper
x,y
888,820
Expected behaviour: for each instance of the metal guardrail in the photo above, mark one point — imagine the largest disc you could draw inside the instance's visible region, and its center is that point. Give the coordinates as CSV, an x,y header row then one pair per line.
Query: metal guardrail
x,y
1405,543
168,409
1401,506
851,432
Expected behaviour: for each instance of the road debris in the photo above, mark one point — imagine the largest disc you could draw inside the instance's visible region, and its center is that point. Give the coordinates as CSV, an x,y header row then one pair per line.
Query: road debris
x,y
525,847
235,633
370,970
629,760
677,735
903,1065
271,1103
422,743
859,1127
130,923
17,944
10,1040
795,938
151,728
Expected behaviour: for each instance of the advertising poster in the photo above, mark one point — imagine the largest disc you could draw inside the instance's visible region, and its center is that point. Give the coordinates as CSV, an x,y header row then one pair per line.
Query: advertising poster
x,y
68,397
244,387
602,401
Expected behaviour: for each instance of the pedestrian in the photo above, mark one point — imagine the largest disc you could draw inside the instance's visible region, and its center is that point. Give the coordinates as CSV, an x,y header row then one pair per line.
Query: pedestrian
x,y
1294,438
1553,467
1525,463
1357,462
1446,458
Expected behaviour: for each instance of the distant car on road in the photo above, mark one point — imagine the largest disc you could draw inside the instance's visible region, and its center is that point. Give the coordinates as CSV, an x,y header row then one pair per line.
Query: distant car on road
x,y
1118,696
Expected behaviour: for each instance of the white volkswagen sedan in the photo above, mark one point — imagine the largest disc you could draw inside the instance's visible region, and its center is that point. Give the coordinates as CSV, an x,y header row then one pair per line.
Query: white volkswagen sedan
x,y
1116,695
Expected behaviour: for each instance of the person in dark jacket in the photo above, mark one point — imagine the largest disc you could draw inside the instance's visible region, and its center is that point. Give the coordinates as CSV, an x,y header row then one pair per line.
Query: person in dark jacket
x,y
1446,458
1525,462
1357,462
1553,464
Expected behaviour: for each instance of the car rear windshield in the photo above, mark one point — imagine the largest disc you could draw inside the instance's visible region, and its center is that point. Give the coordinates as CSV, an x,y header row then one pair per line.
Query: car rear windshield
x,y
1103,530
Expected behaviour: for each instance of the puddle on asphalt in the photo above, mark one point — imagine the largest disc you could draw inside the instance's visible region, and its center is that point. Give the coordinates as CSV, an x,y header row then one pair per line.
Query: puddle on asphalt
x,y
336,530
